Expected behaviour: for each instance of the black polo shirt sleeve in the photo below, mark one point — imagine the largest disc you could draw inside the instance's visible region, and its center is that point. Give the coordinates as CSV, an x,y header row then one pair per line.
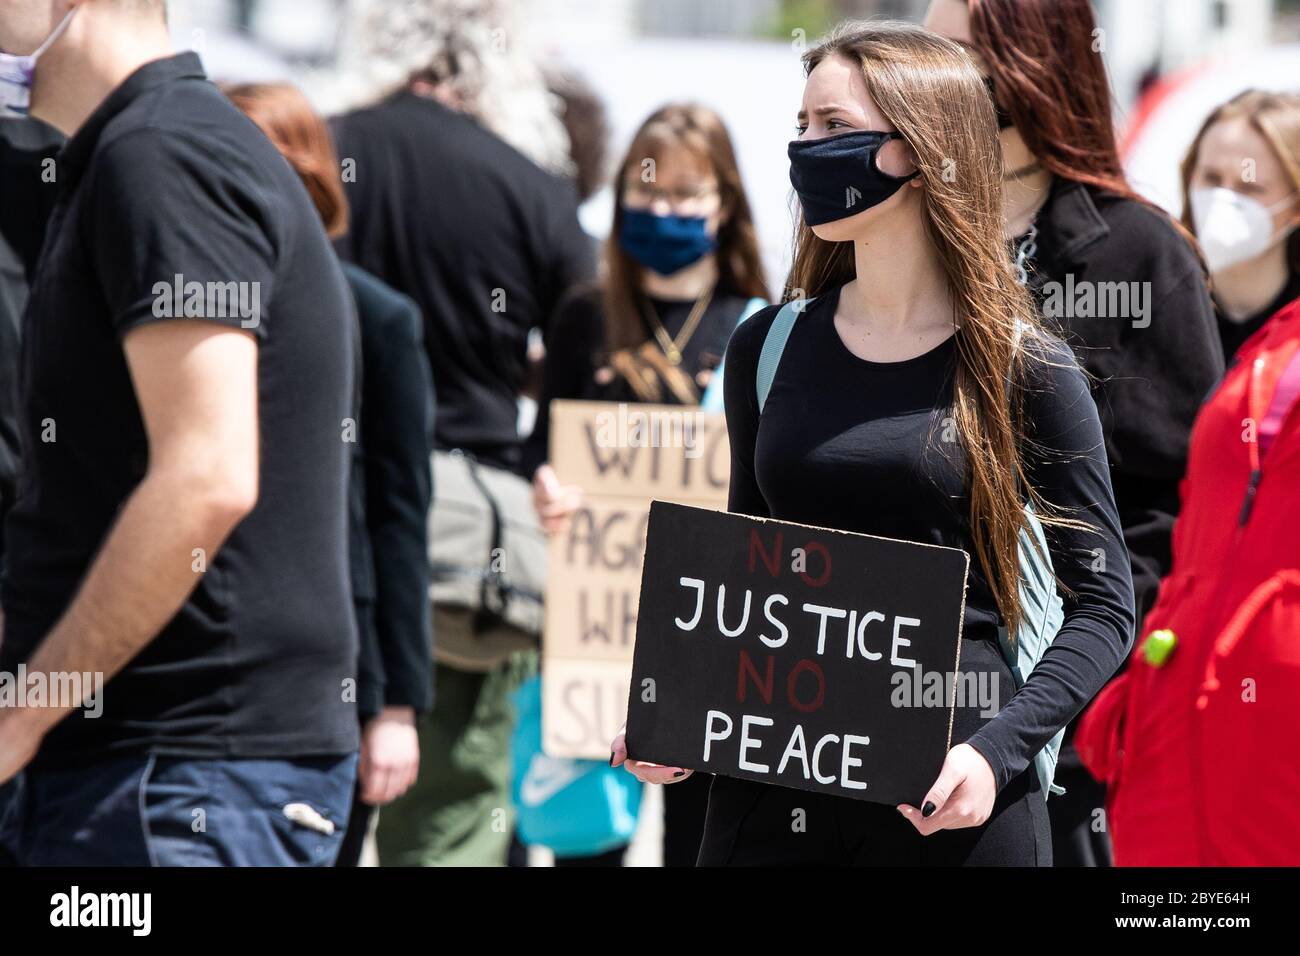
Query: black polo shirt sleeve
x,y
177,233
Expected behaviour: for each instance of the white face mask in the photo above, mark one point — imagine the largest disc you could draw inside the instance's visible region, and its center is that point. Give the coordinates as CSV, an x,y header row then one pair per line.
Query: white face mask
x,y
1233,228
16,73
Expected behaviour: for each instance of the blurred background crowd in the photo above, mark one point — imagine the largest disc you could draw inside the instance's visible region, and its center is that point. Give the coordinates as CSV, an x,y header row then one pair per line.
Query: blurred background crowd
x,y
530,157
1170,62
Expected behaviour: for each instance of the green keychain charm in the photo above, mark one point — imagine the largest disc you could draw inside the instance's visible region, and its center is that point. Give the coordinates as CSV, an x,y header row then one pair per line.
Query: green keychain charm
x,y
1158,646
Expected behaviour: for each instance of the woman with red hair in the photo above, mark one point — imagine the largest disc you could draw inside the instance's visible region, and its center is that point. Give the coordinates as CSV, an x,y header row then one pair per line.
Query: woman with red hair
x,y
1119,279
390,485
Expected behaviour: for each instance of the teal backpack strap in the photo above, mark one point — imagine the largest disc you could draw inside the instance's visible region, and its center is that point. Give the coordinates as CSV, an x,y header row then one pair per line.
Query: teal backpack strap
x,y
1043,615
773,347
711,400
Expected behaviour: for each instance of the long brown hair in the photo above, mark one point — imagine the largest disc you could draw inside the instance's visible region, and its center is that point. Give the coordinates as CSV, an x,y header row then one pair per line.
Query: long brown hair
x,y
1276,117
1044,58
699,129
286,116
931,92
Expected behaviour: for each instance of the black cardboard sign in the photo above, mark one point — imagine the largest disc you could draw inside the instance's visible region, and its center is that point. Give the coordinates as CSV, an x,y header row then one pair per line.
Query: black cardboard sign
x,y
775,652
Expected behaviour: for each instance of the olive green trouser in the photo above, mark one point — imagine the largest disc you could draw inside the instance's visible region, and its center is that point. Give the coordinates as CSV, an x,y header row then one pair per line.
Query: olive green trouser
x,y
459,812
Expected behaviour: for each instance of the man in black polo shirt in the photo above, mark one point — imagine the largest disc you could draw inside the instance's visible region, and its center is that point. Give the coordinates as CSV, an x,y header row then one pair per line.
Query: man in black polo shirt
x,y
186,377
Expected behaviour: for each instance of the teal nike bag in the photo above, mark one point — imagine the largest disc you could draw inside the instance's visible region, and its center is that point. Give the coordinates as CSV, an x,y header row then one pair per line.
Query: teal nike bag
x,y
1044,612
571,807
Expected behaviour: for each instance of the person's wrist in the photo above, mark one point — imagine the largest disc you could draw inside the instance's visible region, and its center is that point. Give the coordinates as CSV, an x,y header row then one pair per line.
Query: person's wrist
x,y
398,714
25,722
987,753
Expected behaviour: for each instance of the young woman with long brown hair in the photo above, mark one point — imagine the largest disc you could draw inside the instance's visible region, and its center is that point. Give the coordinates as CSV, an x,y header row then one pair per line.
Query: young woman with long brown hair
x,y
1127,290
917,328
681,268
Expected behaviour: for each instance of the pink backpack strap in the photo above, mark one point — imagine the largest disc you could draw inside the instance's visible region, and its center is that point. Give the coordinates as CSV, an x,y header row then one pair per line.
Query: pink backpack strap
x,y
1285,396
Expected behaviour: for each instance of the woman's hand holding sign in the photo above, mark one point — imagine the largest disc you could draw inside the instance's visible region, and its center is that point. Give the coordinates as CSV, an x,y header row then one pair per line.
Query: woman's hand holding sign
x,y
645,772
962,796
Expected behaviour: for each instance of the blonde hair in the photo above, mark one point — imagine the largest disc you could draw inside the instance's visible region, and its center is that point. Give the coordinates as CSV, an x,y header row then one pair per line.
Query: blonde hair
x,y
1276,117
934,96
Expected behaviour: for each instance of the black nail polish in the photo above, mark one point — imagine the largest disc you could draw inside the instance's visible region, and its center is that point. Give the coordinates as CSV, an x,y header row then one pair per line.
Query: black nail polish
x,y
611,758
927,809
679,773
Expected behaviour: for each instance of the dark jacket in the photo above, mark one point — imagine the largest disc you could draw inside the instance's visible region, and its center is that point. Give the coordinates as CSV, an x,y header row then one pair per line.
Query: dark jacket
x,y
389,501
1151,372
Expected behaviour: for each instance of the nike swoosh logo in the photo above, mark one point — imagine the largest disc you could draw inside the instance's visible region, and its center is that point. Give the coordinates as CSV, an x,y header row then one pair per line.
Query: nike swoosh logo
x,y
546,777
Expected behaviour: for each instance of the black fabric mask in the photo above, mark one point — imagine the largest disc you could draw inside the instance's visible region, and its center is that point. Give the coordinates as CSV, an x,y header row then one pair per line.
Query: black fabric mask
x,y
837,176
1004,118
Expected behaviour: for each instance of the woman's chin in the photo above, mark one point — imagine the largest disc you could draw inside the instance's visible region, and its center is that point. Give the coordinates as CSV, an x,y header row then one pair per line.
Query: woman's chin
x,y
849,229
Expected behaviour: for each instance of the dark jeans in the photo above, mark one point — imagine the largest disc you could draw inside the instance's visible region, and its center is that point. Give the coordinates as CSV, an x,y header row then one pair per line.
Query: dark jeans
x,y
142,810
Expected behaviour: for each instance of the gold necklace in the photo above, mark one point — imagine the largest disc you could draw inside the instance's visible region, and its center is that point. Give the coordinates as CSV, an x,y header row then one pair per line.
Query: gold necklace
x,y
673,346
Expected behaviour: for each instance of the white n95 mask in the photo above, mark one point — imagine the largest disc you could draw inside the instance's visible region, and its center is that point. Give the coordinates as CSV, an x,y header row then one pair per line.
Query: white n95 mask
x,y
1233,228
16,73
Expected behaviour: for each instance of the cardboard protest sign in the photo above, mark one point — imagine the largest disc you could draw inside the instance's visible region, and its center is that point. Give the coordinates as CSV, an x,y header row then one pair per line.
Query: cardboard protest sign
x,y
785,653
621,455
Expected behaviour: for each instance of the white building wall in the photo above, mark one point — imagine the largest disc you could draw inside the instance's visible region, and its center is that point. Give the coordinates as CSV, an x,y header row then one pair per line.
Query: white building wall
x,y
1174,34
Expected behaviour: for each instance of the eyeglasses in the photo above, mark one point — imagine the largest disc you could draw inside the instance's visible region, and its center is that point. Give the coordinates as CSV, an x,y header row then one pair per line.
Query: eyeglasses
x,y
647,193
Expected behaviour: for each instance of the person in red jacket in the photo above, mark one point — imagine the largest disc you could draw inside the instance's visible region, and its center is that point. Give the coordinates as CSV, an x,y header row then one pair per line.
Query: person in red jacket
x,y
1198,739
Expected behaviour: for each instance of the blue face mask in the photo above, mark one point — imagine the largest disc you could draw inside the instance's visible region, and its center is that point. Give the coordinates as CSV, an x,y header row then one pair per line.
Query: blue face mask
x,y
837,176
18,72
665,244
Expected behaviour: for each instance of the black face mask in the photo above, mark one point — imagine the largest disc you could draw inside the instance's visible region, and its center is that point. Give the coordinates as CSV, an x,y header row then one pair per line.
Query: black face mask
x,y
1004,118
837,177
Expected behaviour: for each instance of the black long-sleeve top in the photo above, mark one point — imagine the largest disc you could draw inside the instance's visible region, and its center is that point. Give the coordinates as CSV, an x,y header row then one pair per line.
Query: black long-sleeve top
x,y
388,502
854,445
